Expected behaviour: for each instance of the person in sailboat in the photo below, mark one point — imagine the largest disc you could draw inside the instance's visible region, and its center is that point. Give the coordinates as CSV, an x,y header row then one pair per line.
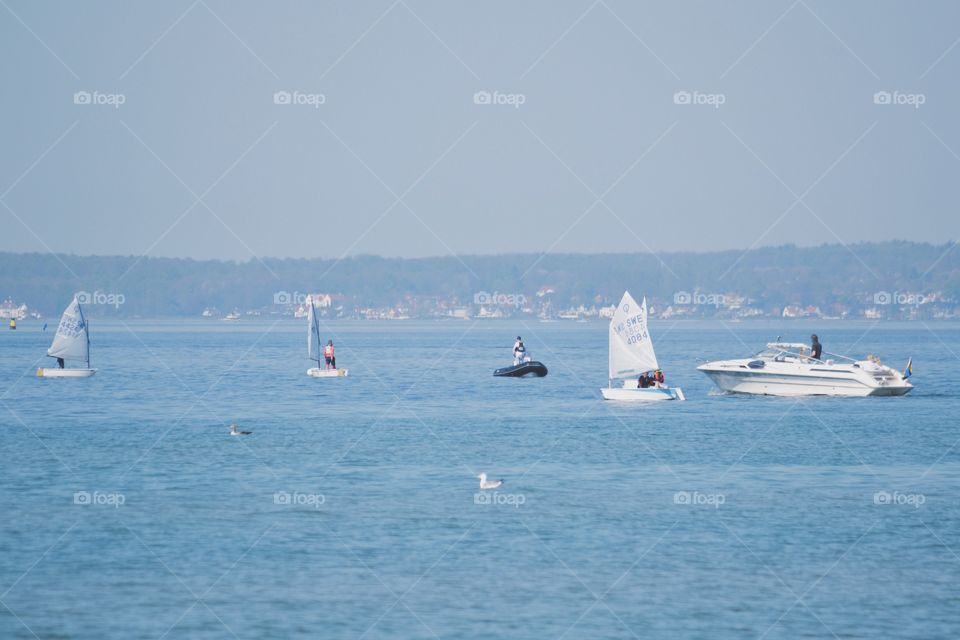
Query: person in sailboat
x,y
328,356
61,363
658,378
643,382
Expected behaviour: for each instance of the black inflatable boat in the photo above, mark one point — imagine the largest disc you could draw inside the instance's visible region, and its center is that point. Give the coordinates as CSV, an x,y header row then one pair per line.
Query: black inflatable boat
x,y
532,368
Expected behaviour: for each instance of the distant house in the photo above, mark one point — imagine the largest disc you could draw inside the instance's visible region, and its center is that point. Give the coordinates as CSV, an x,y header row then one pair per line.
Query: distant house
x,y
795,311
10,311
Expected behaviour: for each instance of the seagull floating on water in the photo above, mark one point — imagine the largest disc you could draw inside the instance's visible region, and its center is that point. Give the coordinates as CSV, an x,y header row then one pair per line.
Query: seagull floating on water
x,y
489,484
235,432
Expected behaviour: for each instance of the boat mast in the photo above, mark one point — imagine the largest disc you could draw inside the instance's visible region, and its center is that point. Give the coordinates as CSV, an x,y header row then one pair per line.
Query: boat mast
x,y
316,329
86,331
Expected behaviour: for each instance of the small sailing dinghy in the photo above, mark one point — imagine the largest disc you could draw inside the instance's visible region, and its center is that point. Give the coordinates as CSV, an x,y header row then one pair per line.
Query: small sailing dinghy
x,y
72,342
315,350
631,355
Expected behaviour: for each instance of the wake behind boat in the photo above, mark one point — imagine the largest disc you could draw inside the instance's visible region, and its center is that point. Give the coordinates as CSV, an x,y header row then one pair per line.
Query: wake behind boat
x,y
788,369
71,342
326,362
631,356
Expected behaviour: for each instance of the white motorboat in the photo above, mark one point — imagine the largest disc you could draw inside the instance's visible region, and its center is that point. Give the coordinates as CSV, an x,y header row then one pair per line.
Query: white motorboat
x,y
72,342
631,354
315,350
787,369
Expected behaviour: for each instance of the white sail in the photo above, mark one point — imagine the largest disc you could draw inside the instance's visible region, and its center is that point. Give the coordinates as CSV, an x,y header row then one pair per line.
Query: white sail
x,y
72,341
313,332
631,348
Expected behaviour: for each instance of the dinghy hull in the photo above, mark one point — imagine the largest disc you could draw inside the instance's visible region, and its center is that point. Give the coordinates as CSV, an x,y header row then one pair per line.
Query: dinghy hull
x,y
652,394
326,373
65,373
532,368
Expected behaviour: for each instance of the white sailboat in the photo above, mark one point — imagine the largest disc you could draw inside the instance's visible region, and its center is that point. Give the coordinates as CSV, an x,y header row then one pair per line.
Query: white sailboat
x,y
315,349
631,354
72,342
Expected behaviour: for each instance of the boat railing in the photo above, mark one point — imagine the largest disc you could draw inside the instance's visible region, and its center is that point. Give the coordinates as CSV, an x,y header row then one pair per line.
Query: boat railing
x,y
782,349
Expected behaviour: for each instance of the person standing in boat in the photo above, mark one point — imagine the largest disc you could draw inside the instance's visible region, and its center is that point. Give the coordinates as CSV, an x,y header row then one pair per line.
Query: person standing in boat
x,y
61,363
519,351
328,355
816,349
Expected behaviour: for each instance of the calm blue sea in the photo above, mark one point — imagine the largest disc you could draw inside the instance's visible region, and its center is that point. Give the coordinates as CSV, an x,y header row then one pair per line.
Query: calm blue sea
x,y
352,509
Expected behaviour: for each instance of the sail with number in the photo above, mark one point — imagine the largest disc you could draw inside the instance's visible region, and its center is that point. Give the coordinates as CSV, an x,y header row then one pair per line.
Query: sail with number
x,y
631,348
72,341
313,332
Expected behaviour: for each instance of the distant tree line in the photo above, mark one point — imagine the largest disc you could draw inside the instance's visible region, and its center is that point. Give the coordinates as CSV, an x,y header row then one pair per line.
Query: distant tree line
x,y
771,277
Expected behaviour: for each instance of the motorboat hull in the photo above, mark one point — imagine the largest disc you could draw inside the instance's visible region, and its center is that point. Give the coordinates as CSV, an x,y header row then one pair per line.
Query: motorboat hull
x,y
650,394
532,368
841,381
56,372
316,372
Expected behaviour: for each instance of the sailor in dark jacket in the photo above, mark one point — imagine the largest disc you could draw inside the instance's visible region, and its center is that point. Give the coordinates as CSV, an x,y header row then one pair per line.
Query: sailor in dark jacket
x,y
816,349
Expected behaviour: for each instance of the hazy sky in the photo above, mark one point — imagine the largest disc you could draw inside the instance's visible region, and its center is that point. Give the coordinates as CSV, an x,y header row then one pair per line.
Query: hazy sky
x,y
587,151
